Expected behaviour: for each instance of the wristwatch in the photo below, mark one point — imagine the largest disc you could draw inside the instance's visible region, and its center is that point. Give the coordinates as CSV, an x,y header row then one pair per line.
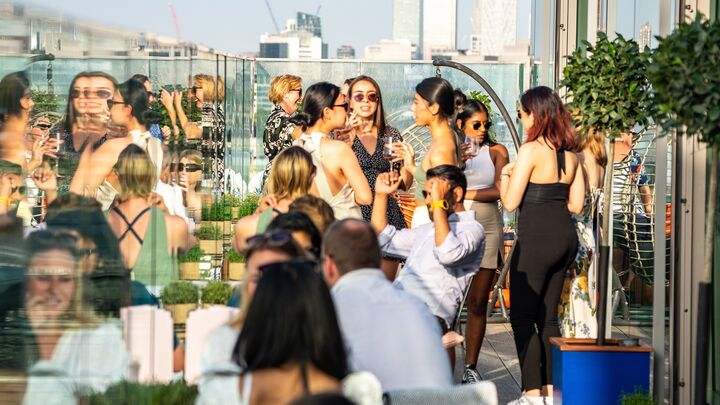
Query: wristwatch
x,y
439,204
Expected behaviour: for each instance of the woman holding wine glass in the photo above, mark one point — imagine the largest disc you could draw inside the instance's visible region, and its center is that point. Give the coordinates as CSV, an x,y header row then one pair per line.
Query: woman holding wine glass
x,y
378,147
484,160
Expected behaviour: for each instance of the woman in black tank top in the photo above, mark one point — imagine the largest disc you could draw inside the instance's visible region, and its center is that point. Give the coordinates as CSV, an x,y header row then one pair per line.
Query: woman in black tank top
x,y
546,238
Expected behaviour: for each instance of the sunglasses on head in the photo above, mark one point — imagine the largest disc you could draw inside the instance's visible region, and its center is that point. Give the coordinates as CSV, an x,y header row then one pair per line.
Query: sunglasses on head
x,y
371,97
86,93
188,167
477,124
273,239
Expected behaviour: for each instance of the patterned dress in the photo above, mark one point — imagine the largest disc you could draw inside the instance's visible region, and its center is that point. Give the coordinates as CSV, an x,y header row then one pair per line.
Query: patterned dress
x,y
578,299
372,166
212,123
277,135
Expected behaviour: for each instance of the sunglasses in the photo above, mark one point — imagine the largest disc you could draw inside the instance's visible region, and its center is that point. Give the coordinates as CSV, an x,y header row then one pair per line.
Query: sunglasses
x,y
103,94
477,124
298,90
112,103
194,89
43,126
273,239
188,167
343,105
86,252
519,114
371,97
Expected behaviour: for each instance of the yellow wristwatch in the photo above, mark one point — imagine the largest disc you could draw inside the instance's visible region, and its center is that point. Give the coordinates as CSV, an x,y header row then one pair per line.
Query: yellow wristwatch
x,y
439,204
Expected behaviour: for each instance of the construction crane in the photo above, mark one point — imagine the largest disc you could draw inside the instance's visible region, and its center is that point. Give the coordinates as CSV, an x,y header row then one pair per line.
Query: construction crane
x,y
175,20
272,15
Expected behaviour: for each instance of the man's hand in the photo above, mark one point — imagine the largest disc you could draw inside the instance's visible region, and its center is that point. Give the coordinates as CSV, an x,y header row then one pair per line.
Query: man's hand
x,y
438,189
387,183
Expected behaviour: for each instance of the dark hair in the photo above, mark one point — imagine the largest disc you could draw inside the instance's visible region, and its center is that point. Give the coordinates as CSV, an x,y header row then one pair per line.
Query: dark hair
x,y
288,247
327,398
12,89
352,244
46,240
135,95
551,118
140,78
297,221
379,118
317,98
70,110
453,174
460,101
436,90
348,80
292,318
110,279
470,108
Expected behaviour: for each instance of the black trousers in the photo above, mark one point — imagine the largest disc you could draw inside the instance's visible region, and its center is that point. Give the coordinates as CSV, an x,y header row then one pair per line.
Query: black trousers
x,y
537,271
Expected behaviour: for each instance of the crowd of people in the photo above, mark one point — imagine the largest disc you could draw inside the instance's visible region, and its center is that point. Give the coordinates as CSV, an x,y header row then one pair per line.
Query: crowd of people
x,y
339,286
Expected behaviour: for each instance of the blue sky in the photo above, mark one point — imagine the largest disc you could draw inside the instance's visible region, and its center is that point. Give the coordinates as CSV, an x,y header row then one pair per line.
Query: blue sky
x,y
236,25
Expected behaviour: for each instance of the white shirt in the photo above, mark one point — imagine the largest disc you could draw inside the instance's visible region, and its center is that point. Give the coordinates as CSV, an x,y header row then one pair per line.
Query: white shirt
x,y
390,333
438,275
173,198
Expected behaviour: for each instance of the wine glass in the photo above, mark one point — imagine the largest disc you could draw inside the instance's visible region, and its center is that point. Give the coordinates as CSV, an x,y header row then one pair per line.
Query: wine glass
x,y
472,146
388,147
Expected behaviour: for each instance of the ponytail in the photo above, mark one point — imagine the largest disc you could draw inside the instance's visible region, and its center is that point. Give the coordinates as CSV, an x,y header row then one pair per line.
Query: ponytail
x,y
302,120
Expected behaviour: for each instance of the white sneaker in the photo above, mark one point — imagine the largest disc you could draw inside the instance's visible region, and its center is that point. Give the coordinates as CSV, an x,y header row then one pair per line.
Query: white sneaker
x,y
527,400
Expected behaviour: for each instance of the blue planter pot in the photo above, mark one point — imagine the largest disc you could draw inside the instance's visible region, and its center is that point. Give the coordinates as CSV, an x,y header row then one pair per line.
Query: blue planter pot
x,y
587,374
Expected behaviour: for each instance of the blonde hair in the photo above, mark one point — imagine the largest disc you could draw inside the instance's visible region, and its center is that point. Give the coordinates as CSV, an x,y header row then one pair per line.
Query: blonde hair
x,y
192,155
207,84
136,173
281,85
595,142
319,211
292,173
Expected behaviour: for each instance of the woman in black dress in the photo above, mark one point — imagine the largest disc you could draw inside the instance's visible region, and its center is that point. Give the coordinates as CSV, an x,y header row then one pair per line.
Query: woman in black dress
x,y
547,184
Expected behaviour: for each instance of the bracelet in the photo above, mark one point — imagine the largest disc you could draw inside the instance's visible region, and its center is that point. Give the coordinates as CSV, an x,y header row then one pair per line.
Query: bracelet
x,y
439,204
5,201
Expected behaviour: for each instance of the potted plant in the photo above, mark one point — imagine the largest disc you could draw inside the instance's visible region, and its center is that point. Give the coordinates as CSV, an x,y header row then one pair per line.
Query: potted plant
x,y
684,77
180,297
638,397
176,392
210,238
249,205
190,263
236,265
609,94
216,293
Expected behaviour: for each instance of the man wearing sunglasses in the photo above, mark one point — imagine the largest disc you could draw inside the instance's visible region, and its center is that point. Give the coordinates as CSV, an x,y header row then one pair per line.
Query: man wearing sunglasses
x,y
411,354
442,255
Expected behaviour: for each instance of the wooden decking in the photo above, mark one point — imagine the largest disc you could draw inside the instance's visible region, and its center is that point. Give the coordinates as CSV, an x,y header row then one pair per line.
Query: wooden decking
x,y
498,360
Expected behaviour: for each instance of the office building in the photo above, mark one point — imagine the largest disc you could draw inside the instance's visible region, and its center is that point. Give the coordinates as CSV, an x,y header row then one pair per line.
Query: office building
x,y
299,40
389,49
407,23
494,27
345,52
439,27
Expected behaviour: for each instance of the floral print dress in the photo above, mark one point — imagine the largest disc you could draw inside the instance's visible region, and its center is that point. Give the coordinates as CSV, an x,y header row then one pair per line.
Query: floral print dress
x,y
277,136
576,311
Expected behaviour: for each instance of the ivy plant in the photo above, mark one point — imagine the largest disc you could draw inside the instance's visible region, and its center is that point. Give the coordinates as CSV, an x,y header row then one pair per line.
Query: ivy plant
x,y
608,86
686,84
180,292
485,100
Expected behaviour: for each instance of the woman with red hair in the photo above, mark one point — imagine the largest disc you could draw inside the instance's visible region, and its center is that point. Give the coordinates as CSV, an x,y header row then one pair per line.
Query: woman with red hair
x,y
547,185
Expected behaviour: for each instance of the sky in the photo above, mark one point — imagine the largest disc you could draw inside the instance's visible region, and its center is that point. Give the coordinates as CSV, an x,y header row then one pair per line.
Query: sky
x,y
236,25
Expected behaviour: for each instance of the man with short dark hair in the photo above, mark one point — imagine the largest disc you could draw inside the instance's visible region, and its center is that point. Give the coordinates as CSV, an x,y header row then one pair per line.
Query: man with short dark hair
x,y
442,255
388,332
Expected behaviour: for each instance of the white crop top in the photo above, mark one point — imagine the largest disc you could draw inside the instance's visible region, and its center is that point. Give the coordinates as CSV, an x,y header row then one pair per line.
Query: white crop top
x,y
480,170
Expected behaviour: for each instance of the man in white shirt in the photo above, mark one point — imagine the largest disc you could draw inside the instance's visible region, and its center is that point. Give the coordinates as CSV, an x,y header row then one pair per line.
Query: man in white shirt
x,y
388,332
442,255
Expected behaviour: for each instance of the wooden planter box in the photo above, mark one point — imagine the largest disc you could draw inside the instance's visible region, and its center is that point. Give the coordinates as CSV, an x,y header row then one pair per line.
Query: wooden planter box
x,y
211,247
235,212
237,271
190,271
180,311
584,373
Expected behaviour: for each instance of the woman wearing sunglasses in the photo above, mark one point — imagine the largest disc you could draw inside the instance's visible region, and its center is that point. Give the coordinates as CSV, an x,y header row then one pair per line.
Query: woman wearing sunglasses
x,y
129,110
339,180
285,94
486,158
190,175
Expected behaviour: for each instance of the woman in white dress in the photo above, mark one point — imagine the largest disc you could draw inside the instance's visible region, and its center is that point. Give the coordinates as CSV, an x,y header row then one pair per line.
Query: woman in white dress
x,y
339,180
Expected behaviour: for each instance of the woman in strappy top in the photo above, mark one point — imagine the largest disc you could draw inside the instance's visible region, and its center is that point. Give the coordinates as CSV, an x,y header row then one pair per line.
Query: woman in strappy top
x,y
291,176
433,106
129,109
149,238
339,180
547,185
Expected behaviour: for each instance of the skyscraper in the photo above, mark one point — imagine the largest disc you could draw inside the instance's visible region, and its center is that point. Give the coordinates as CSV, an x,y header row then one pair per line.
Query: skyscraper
x,y
439,28
494,26
645,35
407,23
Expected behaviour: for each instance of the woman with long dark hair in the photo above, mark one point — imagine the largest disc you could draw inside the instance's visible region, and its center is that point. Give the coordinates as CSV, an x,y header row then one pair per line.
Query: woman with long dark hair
x,y
290,344
339,180
482,171
433,106
547,185
129,108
